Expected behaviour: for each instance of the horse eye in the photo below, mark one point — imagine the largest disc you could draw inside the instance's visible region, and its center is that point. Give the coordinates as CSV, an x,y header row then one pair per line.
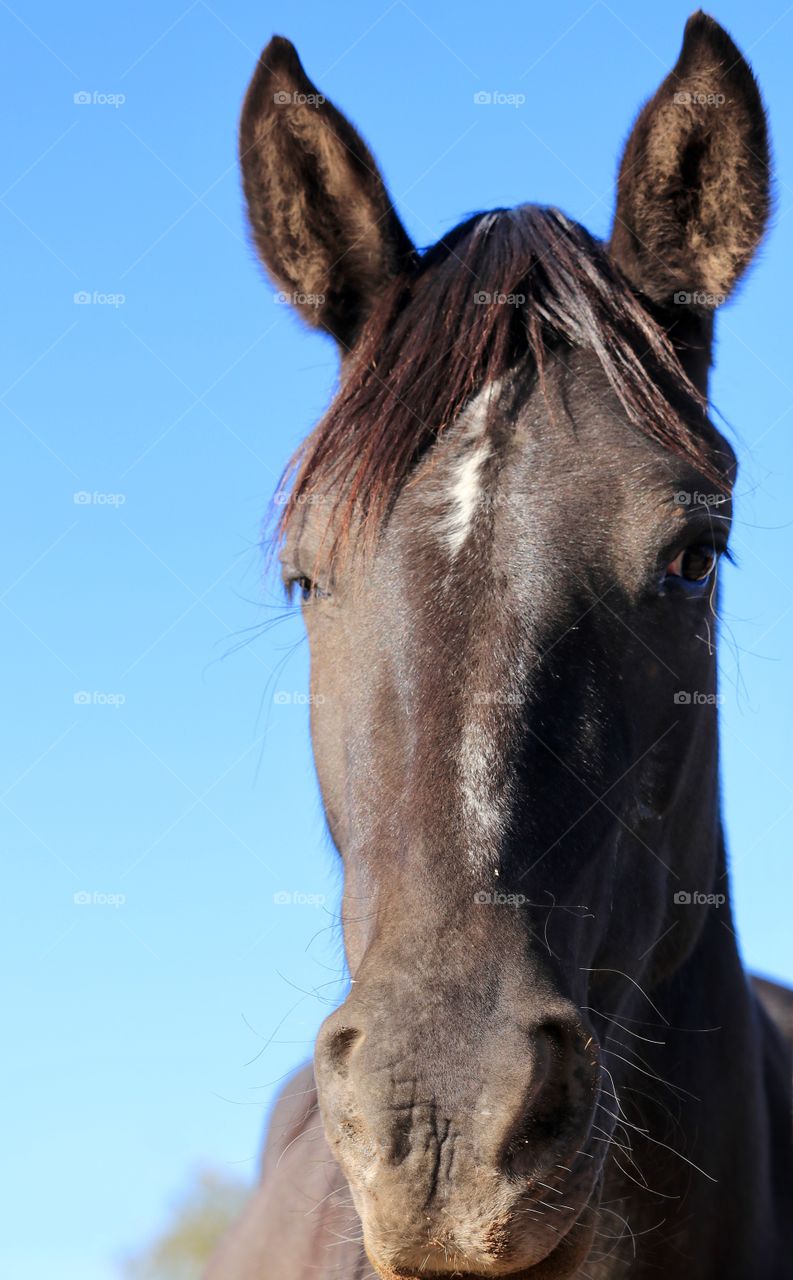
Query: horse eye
x,y
694,566
309,590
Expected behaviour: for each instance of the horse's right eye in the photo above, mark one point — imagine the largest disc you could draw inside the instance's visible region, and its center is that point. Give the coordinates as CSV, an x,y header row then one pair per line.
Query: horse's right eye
x,y
309,589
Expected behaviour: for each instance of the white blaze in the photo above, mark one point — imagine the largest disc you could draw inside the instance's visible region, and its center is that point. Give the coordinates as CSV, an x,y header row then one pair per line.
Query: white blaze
x,y
465,479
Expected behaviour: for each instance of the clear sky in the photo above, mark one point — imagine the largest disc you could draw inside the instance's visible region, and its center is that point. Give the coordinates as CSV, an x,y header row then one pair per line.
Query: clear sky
x,y
146,1028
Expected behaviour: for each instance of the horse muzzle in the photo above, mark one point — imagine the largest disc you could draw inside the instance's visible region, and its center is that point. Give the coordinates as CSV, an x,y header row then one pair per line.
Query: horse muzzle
x,y
466,1154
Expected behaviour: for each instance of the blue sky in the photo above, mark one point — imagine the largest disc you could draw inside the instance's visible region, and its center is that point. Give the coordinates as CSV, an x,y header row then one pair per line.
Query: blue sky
x,y
150,767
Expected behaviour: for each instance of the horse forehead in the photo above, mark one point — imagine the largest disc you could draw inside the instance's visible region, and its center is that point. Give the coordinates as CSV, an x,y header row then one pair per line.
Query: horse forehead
x,y
529,462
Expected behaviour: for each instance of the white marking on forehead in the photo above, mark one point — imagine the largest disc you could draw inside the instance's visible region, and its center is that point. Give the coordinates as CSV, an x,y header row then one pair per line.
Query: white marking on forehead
x,y
482,793
465,479
464,497
483,809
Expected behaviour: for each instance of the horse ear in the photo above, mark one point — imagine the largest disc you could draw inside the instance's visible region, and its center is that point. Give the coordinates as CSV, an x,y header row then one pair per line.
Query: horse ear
x,y
693,194
320,215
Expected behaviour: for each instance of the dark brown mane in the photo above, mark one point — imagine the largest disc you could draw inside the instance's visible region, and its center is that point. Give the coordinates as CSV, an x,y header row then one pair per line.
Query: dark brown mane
x,y
434,341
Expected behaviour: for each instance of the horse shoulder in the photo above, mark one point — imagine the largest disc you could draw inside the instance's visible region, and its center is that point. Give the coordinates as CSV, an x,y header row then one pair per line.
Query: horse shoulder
x,y
299,1221
778,1004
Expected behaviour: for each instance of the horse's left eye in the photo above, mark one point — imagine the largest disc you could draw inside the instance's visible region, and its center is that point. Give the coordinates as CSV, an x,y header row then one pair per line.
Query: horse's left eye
x,y
694,567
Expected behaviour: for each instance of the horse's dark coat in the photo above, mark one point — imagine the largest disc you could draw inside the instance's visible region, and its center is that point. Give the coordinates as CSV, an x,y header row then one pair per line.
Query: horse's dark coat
x,y
505,531
300,1211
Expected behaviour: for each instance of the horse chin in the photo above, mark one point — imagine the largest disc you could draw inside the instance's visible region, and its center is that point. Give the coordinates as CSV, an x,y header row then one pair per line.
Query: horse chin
x,y
561,1263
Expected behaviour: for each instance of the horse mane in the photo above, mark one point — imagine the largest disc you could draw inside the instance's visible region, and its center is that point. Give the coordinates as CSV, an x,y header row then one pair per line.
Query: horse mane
x,y
437,338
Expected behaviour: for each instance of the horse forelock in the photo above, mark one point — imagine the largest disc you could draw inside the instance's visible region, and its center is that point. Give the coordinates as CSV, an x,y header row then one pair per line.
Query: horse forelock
x,y
495,294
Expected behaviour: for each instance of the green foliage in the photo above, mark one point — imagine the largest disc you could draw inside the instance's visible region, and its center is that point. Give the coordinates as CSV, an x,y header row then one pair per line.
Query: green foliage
x,y
197,1221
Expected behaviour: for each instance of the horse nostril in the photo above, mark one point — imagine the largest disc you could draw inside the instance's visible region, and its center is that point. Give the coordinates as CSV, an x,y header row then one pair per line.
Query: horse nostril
x,y
557,1102
338,1049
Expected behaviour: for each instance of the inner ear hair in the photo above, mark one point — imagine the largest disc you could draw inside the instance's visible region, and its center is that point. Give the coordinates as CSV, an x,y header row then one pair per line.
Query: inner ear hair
x,y
693,195
320,215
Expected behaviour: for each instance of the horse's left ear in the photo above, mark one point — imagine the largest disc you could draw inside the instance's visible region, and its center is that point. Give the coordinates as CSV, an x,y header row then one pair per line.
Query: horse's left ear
x,y
693,194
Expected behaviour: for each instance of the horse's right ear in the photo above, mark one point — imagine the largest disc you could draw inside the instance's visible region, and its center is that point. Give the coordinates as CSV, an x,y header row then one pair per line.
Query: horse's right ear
x,y
321,217
693,193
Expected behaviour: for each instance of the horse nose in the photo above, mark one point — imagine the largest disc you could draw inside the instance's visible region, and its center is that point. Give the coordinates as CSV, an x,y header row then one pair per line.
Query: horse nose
x,y
454,1146
510,1098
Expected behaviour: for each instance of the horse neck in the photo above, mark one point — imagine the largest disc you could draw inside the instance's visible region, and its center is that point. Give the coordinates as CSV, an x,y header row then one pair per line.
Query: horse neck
x,y
727,1149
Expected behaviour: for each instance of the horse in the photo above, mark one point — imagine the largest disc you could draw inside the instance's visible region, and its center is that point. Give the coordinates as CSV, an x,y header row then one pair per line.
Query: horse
x,y
505,535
